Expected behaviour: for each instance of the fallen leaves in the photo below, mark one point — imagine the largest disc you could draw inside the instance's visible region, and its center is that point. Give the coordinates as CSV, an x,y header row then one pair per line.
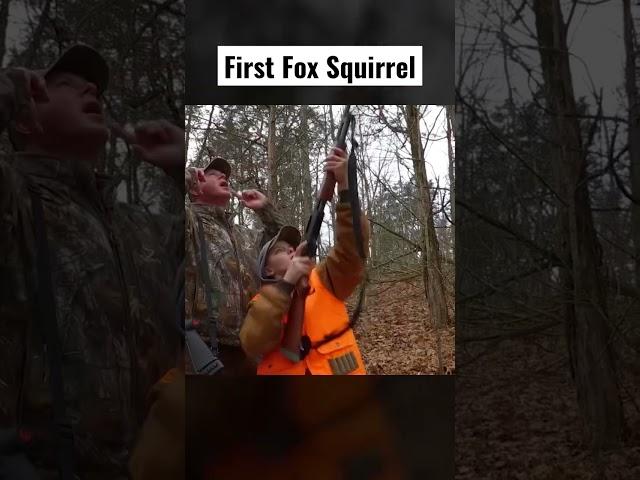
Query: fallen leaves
x,y
516,420
394,332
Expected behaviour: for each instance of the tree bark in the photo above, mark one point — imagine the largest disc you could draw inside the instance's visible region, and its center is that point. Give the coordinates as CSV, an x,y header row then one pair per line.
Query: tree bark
x,y
431,263
452,179
271,155
189,111
304,163
35,41
590,347
631,86
4,20
332,204
205,138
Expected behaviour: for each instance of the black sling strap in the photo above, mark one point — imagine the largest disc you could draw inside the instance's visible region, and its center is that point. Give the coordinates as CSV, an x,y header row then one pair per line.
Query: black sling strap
x,y
45,316
206,280
354,198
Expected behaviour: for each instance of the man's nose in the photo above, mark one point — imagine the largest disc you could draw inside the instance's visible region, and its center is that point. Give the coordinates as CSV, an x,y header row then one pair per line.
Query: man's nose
x,y
91,88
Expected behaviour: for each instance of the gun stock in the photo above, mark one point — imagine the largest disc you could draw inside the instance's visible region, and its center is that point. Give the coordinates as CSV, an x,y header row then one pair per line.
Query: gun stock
x,y
293,332
203,360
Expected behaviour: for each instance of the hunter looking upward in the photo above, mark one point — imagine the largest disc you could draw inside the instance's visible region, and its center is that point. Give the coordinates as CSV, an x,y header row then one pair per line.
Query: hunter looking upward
x,y
231,251
111,268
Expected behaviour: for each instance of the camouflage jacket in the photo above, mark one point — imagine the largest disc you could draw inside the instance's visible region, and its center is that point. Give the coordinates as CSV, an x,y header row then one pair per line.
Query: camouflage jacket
x,y
112,269
232,252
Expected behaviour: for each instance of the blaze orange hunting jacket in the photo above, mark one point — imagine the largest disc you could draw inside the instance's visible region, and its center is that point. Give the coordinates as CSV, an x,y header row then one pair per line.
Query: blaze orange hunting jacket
x,y
331,282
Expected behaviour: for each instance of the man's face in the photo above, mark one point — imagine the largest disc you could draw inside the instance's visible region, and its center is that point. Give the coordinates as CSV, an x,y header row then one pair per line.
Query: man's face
x,y
72,114
215,188
279,259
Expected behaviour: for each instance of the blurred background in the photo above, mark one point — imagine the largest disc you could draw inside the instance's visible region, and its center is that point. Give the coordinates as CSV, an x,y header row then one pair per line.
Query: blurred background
x,y
322,428
308,22
143,43
548,239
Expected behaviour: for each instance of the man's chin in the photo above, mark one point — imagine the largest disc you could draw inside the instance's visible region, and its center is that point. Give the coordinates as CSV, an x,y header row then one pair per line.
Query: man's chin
x,y
100,134
222,199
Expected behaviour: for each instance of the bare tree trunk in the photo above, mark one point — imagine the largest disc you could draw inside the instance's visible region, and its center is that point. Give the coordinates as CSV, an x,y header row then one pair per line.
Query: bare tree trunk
x,y
29,55
189,110
373,258
271,155
432,271
304,164
332,204
205,138
592,356
110,158
634,128
4,20
452,175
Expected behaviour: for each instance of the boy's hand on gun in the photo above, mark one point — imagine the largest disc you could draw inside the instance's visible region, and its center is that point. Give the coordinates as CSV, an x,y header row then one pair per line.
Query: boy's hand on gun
x,y
337,163
299,267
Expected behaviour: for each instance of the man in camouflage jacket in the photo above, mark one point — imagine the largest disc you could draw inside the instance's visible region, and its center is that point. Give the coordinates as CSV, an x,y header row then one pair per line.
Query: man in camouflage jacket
x,y
111,266
231,252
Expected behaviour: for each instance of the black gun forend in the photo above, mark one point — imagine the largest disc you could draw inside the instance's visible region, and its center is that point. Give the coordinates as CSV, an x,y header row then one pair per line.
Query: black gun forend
x,y
204,361
312,232
341,138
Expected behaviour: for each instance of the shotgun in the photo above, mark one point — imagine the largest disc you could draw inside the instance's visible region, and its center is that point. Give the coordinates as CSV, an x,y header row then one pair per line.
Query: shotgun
x,y
292,339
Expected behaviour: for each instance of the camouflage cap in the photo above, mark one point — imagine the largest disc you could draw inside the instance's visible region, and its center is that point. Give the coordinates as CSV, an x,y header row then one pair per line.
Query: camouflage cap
x,y
289,234
84,61
218,163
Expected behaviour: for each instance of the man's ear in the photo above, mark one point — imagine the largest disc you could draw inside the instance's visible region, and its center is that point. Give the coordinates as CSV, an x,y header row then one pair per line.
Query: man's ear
x,y
22,128
268,271
194,191
198,179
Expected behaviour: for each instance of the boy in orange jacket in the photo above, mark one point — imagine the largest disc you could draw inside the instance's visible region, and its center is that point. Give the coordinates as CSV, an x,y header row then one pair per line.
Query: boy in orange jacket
x,y
281,266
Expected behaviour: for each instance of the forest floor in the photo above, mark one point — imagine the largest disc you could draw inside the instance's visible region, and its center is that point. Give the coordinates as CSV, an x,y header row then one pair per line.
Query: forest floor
x,y
394,332
517,415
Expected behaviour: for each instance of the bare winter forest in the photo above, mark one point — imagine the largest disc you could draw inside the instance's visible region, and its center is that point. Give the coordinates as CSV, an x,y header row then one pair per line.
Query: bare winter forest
x,y
405,169
548,245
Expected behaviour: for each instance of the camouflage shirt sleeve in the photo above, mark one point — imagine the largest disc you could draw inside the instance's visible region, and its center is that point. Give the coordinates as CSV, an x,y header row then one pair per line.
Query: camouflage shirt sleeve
x,y
272,220
15,240
9,213
13,281
191,278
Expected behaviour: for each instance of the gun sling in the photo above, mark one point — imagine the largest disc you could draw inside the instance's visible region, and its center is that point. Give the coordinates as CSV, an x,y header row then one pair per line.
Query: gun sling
x,y
45,315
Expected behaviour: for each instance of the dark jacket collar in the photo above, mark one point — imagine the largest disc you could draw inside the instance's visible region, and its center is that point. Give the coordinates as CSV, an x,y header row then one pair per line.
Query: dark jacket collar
x,y
212,211
73,174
